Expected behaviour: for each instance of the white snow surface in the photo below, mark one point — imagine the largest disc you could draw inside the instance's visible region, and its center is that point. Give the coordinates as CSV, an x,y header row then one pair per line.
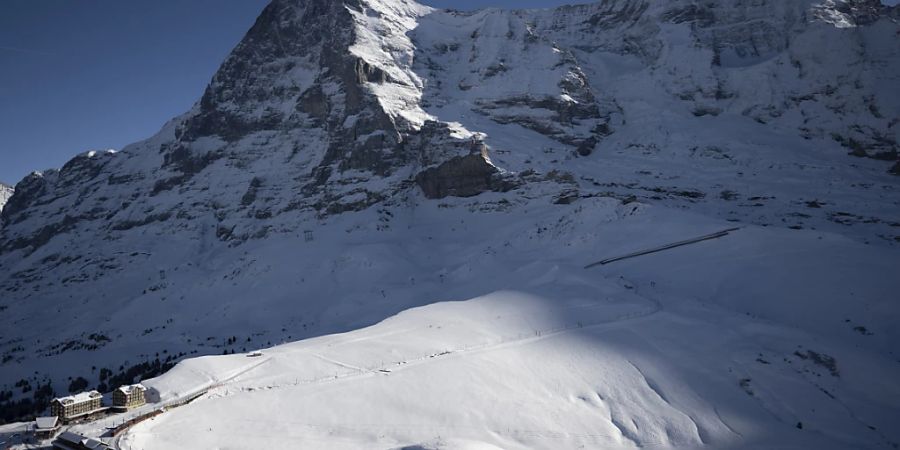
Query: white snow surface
x,y
703,346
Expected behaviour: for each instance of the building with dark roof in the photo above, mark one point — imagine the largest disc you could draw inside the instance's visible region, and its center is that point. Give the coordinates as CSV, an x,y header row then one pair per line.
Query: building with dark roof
x,y
73,441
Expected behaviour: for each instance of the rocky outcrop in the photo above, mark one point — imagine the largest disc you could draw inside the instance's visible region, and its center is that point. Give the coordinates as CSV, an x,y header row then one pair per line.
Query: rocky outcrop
x,y
852,13
563,113
464,176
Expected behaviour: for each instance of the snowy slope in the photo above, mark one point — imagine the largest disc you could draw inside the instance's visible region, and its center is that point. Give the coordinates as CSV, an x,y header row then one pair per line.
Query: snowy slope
x,y
632,354
352,160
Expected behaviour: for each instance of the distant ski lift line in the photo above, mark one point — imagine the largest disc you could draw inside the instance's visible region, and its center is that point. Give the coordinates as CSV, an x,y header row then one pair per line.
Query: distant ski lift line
x,y
707,237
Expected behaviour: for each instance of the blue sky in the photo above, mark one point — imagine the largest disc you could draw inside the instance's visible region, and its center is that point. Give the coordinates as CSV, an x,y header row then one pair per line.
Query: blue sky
x,y
87,75
105,73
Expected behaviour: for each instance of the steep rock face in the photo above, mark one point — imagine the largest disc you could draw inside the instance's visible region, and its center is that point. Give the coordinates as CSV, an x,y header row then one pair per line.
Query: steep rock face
x,y
497,62
764,60
731,108
569,73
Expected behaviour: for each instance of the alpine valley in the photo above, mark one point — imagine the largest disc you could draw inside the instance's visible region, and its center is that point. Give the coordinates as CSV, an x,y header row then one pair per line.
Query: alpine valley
x,y
393,207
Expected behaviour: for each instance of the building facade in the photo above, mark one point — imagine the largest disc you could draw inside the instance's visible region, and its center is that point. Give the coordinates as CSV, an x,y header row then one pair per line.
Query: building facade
x,y
46,427
127,397
72,441
74,406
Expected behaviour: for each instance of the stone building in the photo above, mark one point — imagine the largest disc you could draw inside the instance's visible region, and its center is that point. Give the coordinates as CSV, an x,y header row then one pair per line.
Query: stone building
x,y
127,397
76,406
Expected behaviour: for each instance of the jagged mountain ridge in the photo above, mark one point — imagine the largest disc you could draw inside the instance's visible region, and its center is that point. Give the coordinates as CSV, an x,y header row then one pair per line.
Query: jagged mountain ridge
x,y
371,120
377,106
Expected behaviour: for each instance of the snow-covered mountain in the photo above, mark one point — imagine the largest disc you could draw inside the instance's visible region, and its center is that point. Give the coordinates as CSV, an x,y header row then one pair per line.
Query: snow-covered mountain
x,y
6,192
354,159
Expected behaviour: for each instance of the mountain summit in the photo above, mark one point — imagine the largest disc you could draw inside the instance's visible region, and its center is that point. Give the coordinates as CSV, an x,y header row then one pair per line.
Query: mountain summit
x,y
353,159
337,106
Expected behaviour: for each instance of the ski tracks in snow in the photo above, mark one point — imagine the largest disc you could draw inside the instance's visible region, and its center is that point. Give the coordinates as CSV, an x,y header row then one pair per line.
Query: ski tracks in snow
x,y
461,350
